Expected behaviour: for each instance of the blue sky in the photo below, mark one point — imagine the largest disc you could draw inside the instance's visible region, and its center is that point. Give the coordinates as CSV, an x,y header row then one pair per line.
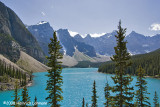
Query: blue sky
x,y
91,16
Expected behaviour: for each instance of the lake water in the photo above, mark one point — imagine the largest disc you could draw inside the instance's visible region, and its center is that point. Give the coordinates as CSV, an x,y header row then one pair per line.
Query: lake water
x,y
77,83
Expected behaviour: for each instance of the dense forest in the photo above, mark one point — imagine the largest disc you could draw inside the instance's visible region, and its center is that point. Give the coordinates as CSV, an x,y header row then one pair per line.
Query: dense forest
x,y
9,74
150,62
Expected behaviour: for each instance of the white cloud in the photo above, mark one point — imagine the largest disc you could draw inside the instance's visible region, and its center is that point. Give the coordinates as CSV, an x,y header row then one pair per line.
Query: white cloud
x,y
97,34
72,33
155,27
43,14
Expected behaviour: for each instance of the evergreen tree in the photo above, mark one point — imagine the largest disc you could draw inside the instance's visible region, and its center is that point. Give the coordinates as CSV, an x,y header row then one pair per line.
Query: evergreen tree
x,y
124,96
55,79
25,97
83,103
15,95
141,98
155,99
107,95
94,97
35,102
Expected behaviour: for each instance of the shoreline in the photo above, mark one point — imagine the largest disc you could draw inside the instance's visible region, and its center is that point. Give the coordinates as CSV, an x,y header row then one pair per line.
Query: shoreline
x,y
11,86
133,75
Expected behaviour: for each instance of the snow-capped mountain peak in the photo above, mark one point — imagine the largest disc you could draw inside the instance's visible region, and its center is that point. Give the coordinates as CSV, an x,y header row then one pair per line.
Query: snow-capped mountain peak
x,y
41,22
72,33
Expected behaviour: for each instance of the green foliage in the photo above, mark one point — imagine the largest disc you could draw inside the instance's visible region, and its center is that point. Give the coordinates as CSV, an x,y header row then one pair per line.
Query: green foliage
x,y
94,97
107,95
25,97
15,95
54,74
123,96
7,72
150,62
141,98
155,99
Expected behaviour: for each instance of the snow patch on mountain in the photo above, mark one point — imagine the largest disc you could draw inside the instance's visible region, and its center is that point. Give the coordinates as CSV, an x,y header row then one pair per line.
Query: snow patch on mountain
x,y
63,47
72,33
97,34
109,36
41,22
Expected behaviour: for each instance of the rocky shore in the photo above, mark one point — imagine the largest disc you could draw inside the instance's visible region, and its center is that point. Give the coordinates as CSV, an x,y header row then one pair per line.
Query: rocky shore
x,y
10,86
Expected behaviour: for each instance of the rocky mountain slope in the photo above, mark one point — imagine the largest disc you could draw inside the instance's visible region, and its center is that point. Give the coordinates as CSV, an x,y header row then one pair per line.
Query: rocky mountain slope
x,y
30,64
70,44
42,32
15,37
81,57
19,51
137,43
103,45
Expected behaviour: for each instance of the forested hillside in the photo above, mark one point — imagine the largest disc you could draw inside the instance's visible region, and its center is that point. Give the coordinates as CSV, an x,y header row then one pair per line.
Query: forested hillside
x,y
9,74
150,62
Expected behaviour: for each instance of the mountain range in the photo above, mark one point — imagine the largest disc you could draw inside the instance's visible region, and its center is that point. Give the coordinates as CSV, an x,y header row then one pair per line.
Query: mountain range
x,y
137,43
16,38
73,50
93,46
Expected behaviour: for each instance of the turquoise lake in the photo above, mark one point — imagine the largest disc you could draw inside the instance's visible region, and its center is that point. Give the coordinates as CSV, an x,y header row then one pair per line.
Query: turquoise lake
x,y
77,83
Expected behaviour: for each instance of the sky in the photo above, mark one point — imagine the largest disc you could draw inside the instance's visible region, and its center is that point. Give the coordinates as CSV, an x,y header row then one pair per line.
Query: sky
x,y
94,17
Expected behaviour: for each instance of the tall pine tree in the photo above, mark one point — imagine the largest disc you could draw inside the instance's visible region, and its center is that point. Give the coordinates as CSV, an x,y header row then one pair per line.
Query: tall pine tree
x,y
16,96
55,81
141,98
107,95
155,99
123,91
94,97
25,97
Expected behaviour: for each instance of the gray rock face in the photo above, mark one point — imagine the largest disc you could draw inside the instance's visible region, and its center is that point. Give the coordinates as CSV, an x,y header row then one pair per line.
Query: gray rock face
x,y
103,45
11,25
137,43
42,32
70,44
